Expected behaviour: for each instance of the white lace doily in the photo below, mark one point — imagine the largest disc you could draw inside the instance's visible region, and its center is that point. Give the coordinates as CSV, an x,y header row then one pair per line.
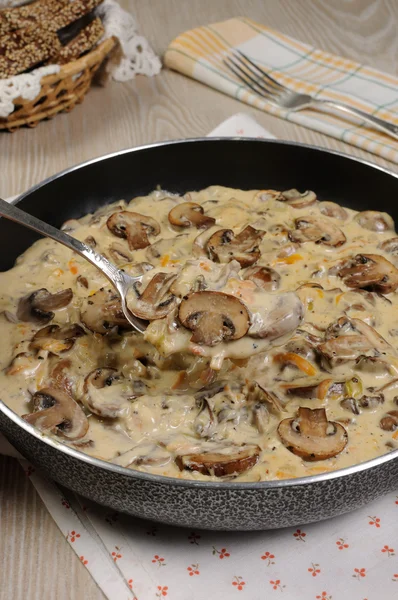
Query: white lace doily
x,y
138,58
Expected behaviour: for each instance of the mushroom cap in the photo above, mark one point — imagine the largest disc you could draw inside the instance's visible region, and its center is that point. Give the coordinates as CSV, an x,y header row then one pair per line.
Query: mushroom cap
x,y
57,411
375,220
331,209
390,421
298,199
264,277
38,306
312,436
134,227
390,246
315,229
156,301
104,311
220,464
190,213
370,271
106,392
214,317
224,246
56,339
285,314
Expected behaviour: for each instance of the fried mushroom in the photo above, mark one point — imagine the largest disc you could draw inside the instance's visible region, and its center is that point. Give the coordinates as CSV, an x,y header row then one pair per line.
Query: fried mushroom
x,y
311,436
190,213
156,301
369,271
38,306
214,317
133,227
264,277
106,392
219,464
298,199
103,311
373,220
390,421
224,246
320,231
56,339
331,209
57,412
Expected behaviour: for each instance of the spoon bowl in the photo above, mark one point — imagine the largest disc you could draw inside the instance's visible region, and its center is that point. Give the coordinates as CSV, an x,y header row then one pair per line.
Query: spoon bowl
x,y
120,280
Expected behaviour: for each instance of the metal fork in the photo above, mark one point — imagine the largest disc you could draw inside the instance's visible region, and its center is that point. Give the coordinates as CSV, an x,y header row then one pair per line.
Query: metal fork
x,y
260,82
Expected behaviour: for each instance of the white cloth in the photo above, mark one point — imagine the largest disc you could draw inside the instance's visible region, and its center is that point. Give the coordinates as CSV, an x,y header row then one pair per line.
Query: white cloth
x,y
349,557
138,57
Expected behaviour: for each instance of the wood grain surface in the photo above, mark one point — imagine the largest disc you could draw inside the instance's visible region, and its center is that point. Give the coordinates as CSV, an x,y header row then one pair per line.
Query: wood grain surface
x,y
36,562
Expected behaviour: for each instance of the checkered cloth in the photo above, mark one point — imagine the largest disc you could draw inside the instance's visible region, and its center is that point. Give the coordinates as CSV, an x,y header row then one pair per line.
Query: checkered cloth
x,y
199,54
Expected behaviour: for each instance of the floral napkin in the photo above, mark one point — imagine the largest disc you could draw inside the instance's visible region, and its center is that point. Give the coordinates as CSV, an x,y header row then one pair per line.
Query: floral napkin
x,y
353,557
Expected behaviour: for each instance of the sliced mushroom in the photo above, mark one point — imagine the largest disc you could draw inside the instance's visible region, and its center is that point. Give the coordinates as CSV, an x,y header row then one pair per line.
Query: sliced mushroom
x,y
133,227
357,405
331,209
264,277
103,312
390,246
390,421
261,418
375,365
270,397
320,231
38,306
370,271
119,254
156,301
57,412
298,199
224,246
285,314
205,422
24,363
56,339
144,454
106,392
219,464
346,347
312,436
320,390
214,317
190,213
374,220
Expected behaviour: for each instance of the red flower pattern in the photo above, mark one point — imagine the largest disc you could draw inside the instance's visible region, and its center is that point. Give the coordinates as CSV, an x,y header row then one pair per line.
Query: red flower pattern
x,y
159,559
162,591
116,554
30,470
276,584
84,560
193,538
313,569
395,578
65,503
388,550
221,553
238,583
269,558
358,573
193,570
299,535
324,596
72,536
374,521
152,531
341,544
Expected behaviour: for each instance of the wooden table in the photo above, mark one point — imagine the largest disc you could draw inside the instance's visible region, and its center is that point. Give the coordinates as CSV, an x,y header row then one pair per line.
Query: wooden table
x,y
36,562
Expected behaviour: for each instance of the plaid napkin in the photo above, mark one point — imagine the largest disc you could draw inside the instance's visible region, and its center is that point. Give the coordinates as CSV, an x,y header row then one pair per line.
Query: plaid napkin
x,y
199,54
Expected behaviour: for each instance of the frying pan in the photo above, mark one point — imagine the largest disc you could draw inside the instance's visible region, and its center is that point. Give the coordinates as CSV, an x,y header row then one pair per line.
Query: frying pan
x,y
178,167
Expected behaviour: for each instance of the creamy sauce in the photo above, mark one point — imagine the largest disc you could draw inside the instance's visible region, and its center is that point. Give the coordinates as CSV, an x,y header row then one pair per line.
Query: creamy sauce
x,y
150,413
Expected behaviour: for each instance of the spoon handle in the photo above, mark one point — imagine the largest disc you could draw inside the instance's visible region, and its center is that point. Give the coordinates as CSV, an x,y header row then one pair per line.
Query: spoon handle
x,y
9,211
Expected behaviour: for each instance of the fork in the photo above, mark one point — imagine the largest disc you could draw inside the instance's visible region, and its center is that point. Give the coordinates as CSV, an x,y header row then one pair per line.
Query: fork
x,y
260,82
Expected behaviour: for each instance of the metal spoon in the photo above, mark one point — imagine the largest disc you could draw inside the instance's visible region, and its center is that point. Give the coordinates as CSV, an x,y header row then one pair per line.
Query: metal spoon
x,y
119,279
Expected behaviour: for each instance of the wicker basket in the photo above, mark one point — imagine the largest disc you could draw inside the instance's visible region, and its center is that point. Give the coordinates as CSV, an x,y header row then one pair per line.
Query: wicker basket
x,y
60,91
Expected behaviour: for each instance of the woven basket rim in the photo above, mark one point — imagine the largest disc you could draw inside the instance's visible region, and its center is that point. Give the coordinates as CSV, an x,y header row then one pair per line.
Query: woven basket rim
x,y
76,66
